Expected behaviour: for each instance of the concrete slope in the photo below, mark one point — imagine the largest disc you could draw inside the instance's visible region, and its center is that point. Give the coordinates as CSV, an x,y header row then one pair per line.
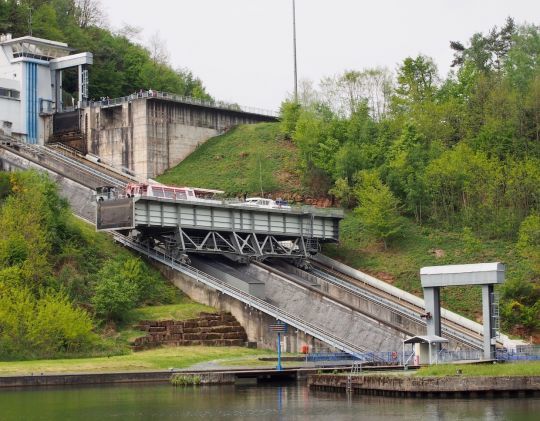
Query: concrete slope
x,y
328,314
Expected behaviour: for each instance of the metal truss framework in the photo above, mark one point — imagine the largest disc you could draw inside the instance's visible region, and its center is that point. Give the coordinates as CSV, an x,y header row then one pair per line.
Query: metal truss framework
x,y
242,247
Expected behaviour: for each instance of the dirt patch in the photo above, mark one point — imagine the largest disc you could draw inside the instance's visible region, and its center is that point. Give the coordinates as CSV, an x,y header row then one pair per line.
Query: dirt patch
x,y
526,334
438,253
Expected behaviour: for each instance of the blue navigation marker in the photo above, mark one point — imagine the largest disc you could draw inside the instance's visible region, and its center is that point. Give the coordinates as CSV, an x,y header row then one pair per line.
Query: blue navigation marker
x,y
280,328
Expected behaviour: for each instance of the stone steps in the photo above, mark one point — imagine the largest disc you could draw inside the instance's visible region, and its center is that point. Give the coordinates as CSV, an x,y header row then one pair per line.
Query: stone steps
x,y
220,329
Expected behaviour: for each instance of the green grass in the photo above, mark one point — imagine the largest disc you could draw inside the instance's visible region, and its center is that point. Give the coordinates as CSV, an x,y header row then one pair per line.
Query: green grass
x,y
530,368
423,246
155,359
239,161
183,309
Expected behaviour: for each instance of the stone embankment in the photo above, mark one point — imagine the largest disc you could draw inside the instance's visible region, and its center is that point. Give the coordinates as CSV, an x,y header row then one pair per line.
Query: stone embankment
x,y
221,329
413,386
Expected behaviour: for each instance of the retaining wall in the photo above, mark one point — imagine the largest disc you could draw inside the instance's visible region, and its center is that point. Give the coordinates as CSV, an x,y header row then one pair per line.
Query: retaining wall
x,y
207,330
407,385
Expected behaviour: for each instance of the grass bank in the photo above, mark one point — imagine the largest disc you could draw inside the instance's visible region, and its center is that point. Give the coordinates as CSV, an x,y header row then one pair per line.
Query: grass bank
x,y
529,368
248,158
155,359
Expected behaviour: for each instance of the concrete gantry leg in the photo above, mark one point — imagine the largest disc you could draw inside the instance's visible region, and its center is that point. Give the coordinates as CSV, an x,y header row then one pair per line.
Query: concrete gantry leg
x,y
58,91
489,324
433,310
80,83
432,299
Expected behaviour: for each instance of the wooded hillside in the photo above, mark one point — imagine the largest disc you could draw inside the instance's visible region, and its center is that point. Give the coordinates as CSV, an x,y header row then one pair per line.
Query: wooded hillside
x,y
459,153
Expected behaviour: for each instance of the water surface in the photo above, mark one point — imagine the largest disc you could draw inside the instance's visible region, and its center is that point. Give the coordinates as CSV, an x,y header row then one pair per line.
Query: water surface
x,y
268,402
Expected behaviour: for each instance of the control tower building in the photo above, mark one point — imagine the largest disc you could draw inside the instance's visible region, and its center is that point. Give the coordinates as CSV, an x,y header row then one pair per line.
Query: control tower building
x,y
31,85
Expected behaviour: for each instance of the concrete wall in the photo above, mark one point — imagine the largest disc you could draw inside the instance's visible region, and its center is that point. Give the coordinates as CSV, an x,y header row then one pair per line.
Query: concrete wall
x,y
421,385
150,135
342,321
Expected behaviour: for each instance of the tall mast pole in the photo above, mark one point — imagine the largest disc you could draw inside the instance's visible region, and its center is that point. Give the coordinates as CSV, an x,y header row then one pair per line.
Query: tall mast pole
x,y
294,53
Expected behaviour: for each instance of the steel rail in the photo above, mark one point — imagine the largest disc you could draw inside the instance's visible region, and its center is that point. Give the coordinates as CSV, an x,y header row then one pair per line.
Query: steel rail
x,y
108,168
248,299
34,155
398,309
404,303
114,181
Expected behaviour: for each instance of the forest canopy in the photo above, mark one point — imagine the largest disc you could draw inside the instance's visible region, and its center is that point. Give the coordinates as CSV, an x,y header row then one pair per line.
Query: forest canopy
x,y
459,153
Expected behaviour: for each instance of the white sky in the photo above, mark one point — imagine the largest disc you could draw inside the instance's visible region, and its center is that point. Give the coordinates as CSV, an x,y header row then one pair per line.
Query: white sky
x,y
242,49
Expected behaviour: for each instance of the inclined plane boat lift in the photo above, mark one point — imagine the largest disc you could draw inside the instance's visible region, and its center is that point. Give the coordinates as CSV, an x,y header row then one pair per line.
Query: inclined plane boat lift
x,y
189,220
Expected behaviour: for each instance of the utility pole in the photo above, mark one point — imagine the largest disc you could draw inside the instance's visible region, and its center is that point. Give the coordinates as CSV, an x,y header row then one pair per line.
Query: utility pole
x,y
30,20
294,52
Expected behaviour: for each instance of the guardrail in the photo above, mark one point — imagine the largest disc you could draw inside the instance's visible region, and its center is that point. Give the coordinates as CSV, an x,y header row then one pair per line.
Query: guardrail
x,y
181,99
246,298
446,356
391,358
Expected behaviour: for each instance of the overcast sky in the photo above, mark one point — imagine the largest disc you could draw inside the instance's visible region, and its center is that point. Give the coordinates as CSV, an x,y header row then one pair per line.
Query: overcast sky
x,y
242,49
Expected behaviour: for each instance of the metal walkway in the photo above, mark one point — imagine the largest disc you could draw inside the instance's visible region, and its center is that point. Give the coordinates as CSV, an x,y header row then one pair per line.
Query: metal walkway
x,y
59,163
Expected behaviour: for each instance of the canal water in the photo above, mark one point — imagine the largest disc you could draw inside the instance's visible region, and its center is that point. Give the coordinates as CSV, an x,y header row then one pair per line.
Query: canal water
x,y
272,402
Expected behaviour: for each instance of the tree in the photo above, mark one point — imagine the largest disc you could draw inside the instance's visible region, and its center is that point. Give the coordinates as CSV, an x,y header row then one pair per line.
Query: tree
x,y
352,90
289,113
89,13
417,82
157,46
378,209
528,243
125,283
407,160
115,293
487,52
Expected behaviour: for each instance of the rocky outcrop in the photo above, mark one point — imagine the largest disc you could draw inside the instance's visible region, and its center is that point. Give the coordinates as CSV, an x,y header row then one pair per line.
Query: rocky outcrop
x,y
220,329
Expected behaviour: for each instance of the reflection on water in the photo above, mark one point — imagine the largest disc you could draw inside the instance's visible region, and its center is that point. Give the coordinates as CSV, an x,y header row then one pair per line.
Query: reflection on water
x,y
268,402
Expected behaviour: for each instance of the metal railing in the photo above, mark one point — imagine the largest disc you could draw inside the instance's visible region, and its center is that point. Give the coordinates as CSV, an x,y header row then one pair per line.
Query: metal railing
x,y
390,358
446,356
521,353
181,99
178,194
39,152
254,302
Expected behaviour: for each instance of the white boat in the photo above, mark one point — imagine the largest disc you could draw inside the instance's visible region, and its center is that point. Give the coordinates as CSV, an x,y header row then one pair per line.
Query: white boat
x,y
261,202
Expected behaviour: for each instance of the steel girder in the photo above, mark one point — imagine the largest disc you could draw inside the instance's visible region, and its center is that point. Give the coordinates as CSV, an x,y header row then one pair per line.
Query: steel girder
x,y
243,247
